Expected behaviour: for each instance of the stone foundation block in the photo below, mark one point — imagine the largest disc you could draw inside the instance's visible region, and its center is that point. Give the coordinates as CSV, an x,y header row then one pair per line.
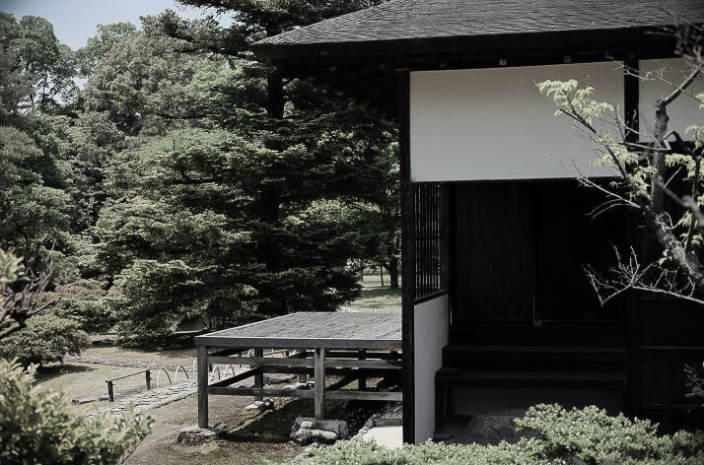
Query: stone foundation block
x,y
194,435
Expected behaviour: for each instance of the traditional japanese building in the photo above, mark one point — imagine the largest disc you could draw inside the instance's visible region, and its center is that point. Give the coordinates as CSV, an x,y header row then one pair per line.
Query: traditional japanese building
x,y
497,312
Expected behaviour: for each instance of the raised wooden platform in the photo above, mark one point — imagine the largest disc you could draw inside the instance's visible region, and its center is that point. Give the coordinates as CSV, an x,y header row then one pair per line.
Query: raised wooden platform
x,y
353,346
309,330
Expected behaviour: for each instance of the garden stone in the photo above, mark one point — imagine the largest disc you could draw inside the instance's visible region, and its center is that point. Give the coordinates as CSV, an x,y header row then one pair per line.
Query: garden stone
x,y
309,430
194,435
492,428
83,400
266,404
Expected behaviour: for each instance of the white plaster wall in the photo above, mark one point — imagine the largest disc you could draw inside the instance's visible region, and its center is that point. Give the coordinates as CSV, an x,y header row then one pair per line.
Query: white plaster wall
x,y
486,124
431,327
684,111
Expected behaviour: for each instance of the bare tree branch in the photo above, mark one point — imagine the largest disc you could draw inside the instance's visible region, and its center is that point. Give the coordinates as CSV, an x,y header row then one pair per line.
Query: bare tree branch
x,y
23,297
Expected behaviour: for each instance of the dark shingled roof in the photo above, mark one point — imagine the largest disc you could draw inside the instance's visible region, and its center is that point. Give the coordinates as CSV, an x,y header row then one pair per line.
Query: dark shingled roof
x,y
403,20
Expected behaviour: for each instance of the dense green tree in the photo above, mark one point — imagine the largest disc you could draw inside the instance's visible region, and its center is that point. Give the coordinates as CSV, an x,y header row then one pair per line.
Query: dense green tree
x,y
186,164
100,44
309,148
140,83
36,70
82,146
35,211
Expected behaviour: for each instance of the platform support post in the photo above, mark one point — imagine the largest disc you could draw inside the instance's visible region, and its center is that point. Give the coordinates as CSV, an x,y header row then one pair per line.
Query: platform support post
x,y
259,377
319,373
362,381
203,386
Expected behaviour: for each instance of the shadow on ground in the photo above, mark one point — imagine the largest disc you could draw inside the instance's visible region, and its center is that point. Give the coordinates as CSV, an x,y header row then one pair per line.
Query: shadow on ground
x,y
47,372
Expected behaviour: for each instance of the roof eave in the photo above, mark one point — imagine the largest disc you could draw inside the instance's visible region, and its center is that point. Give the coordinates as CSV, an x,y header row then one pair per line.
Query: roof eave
x,y
621,40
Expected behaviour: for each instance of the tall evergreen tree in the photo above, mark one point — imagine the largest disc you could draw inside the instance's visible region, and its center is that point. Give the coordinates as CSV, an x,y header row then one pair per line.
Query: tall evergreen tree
x,y
310,149
240,188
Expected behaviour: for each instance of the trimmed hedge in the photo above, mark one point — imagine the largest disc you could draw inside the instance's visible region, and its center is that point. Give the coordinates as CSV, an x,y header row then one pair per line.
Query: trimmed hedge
x,y
554,436
46,338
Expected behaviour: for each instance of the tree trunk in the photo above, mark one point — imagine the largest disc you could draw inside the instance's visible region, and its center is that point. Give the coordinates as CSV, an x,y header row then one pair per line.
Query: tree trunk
x,y
275,95
687,261
270,199
393,270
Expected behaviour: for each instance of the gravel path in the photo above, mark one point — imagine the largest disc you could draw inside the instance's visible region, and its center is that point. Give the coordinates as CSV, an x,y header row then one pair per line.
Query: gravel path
x,y
155,398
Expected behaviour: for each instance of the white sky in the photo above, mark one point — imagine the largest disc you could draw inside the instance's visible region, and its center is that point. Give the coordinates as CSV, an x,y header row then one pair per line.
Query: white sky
x,y
76,20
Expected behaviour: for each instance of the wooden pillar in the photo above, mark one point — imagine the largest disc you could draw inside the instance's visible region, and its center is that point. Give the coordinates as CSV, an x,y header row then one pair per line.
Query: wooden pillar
x,y
408,256
111,391
632,314
319,373
259,377
203,386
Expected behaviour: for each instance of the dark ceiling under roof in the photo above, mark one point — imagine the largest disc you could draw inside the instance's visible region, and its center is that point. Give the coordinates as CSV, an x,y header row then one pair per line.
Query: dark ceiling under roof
x,y
357,53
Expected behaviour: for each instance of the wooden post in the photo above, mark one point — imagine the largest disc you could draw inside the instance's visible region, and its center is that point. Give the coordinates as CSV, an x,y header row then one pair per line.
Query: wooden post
x,y
362,381
319,373
148,378
203,386
259,377
408,255
111,393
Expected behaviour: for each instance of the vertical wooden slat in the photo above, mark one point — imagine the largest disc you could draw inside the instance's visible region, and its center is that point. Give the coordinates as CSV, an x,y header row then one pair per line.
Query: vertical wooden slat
x,y
426,242
427,229
203,386
446,236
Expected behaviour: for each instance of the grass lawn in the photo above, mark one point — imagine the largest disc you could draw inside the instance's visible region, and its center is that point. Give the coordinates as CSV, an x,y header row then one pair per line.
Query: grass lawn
x,y
183,357
258,437
375,298
253,439
85,380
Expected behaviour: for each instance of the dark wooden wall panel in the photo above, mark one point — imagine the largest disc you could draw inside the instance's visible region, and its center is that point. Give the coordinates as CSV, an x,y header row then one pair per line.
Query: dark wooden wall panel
x,y
520,248
492,273
663,378
567,239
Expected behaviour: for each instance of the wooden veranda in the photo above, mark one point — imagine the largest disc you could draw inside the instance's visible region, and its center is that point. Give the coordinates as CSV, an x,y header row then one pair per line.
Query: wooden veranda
x,y
351,346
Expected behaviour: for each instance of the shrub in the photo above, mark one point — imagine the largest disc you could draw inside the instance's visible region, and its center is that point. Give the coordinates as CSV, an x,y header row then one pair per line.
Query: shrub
x,y
155,298
557,437
46,338
85,301
38,426
593,436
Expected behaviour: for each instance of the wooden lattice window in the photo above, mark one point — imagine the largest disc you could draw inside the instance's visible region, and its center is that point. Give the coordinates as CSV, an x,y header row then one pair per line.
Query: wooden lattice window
x,y
426,234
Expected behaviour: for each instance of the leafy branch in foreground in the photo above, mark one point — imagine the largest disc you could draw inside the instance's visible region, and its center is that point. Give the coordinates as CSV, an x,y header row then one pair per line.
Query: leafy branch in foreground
x,y
39,426
22,292
659,175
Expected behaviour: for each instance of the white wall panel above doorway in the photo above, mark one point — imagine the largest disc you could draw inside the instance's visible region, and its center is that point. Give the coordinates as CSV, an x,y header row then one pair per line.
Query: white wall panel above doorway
x,y
494,124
